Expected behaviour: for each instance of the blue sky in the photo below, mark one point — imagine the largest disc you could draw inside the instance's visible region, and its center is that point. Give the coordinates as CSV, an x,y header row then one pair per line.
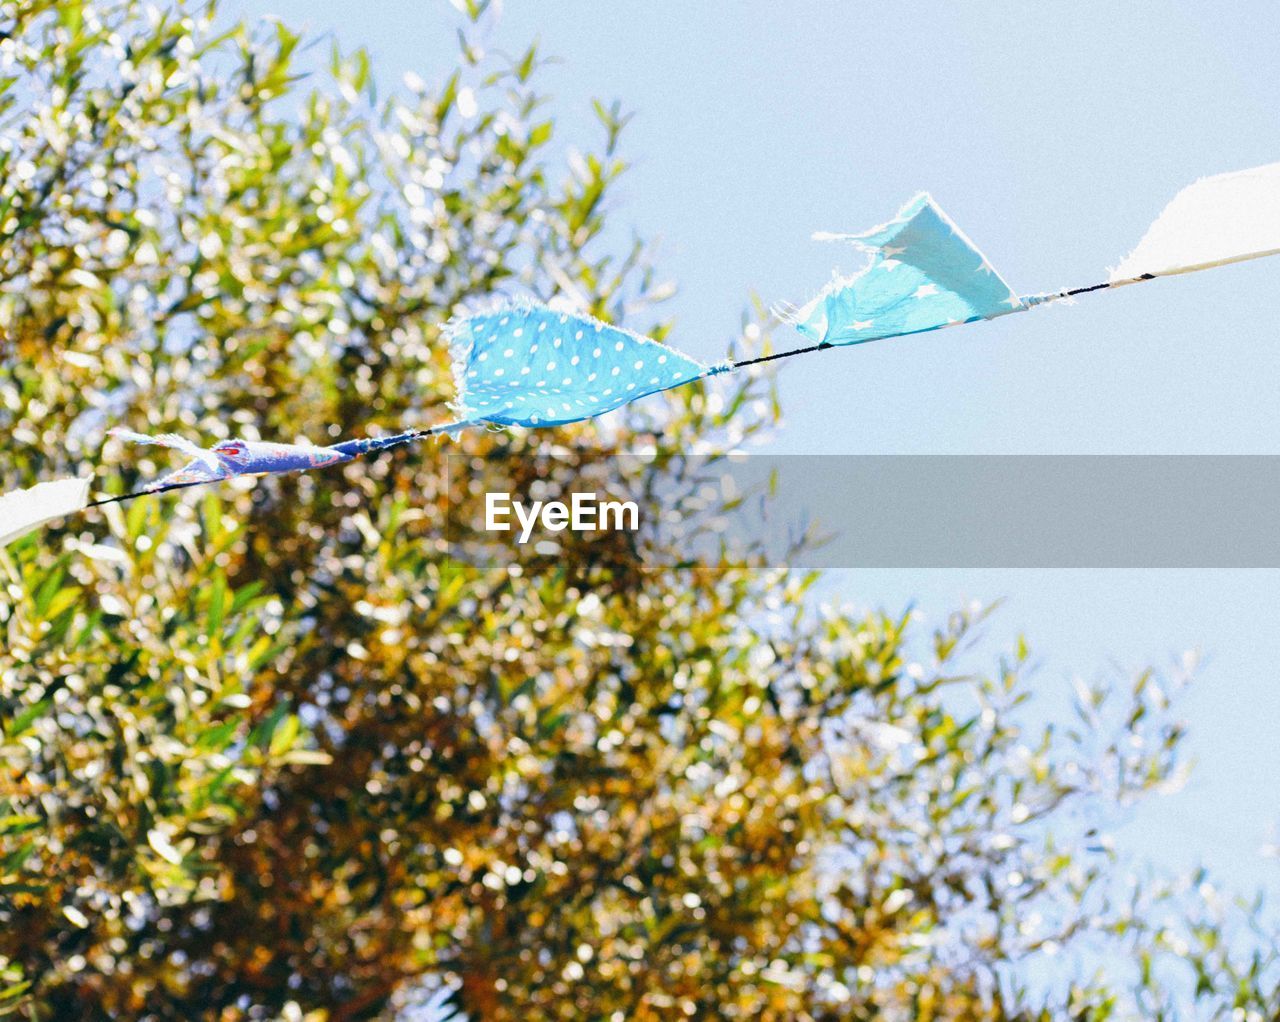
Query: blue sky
x,y
1053,133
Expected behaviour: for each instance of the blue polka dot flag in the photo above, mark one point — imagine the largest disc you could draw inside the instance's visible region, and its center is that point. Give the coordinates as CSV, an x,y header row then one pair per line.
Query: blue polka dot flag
x,y
530,365
924,274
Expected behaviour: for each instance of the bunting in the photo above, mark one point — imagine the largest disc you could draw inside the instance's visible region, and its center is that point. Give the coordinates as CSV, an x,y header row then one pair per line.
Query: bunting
x,y
24,511
922,274
1218,220
530,365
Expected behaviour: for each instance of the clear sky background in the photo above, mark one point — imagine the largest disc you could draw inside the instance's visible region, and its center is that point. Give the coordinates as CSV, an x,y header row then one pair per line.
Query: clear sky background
x,y
1053,133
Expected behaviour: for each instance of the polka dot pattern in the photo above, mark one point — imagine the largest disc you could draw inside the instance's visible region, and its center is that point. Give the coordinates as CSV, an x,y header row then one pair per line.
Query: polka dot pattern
x,y
530,365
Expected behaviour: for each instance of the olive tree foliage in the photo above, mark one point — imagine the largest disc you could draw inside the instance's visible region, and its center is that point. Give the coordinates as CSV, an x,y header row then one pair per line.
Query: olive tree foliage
x,y
279,750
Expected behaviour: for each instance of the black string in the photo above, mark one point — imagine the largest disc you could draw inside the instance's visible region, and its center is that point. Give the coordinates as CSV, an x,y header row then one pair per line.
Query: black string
x,y
1083,290
1101,287
780,354
143,493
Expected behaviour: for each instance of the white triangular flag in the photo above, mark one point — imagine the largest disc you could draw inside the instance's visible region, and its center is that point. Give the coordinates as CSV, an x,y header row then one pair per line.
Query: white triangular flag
x,y
23,511
1223,219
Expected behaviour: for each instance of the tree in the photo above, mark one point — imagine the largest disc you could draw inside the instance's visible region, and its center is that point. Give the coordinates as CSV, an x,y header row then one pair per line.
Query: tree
x,y
283,750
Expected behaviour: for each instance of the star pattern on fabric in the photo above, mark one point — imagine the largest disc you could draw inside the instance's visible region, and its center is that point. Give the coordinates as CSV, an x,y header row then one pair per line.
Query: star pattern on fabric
x,y
923,274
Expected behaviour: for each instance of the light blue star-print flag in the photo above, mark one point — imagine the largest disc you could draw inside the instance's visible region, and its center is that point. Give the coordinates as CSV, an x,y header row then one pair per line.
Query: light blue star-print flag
x,y
529,365
924,274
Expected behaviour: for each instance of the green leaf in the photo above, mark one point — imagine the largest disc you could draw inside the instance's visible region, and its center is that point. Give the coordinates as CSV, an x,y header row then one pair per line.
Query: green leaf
x,y
217,604
23,721
284,734
541,134
47,591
